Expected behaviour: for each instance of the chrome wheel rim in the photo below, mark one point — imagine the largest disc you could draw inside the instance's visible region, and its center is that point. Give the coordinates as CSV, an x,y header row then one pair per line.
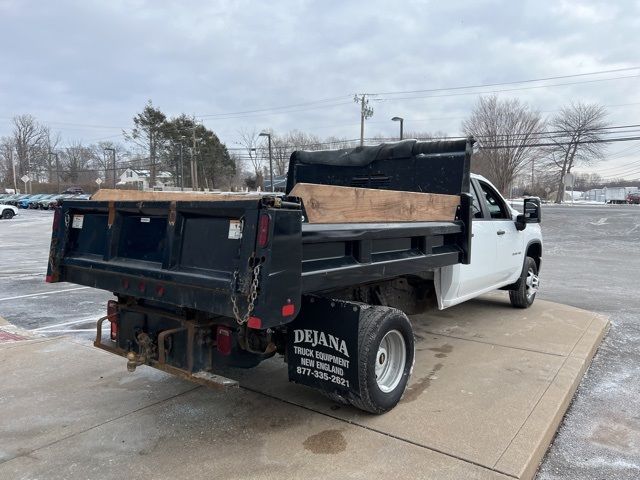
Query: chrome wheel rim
x,y
390,361
532,284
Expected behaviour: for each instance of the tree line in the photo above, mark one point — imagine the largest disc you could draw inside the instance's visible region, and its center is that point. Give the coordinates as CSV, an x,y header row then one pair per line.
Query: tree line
x,y
516,147
190,152
514,140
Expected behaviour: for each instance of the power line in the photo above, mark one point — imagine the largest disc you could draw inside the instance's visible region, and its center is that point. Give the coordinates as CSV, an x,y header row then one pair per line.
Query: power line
x,y
579,142
284,107
315,103
515,82
510,89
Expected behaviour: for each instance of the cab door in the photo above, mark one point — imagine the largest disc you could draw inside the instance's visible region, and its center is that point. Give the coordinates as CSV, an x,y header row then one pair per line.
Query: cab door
x,y
508,240
481,272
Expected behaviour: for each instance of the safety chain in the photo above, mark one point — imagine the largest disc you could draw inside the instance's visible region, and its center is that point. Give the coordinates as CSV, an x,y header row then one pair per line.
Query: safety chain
x,y
251,296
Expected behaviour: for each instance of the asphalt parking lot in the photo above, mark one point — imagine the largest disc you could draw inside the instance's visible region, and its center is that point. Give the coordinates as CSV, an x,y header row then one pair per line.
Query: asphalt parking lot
x,y
591,260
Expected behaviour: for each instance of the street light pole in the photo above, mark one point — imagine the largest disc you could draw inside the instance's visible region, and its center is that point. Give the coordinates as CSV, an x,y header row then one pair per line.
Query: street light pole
x,y
13,168
57,169
113,152
181,167
401,120
268,135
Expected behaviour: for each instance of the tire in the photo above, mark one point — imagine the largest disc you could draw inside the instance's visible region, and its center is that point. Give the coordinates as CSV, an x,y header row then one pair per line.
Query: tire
x,y
385,342
526,288
7,214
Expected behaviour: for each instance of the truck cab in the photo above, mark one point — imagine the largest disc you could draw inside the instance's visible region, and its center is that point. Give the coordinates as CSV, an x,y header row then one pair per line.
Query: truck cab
x,y
502,240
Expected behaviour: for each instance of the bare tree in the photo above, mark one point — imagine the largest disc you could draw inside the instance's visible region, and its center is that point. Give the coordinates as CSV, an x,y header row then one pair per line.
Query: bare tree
x,y
507,132
102,159
76,159
437,135
334,143
283,146
28,139
249,140
577,134
50,143
7,159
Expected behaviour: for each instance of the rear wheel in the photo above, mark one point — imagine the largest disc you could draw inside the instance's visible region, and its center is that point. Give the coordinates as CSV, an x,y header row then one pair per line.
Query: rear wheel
x,y
385,358
7,214
527,286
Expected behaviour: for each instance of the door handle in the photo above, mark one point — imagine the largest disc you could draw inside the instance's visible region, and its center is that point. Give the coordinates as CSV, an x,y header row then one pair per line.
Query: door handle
x,y
501,232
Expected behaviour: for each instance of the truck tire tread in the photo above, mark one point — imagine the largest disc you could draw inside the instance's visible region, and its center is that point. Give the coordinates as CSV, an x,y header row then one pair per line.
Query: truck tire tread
x,y
375,322
518,296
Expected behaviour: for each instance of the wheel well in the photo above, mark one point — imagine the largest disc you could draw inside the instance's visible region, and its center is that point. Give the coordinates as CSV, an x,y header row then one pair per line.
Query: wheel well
x,y
535,251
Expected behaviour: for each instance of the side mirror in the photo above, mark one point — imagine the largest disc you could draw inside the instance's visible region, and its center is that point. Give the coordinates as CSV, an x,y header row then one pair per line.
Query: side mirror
x,y
532,213
532,210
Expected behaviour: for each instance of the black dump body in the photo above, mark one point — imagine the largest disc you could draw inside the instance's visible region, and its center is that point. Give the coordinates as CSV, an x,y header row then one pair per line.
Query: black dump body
x,y
187,256
409,165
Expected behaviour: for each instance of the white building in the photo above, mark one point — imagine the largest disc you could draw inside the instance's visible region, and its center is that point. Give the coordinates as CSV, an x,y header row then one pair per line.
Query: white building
x,y
140,179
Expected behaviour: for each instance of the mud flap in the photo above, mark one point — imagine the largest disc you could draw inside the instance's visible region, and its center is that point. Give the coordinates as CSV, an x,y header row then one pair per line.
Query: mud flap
x,y
322,345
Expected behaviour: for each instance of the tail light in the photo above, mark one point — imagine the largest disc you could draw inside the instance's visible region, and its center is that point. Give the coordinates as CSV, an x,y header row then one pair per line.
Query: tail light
x,y
263,230
223,340
114,318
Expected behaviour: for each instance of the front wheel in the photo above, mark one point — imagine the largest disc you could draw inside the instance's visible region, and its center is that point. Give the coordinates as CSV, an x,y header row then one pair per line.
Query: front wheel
x,y
526,288
7,214
385,357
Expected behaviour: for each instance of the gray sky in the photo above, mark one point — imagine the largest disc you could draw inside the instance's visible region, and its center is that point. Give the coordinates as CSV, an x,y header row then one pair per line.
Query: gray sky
x,y
86,67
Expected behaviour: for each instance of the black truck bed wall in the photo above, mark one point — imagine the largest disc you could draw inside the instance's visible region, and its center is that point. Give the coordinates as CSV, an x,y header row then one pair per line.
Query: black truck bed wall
x,y
408,165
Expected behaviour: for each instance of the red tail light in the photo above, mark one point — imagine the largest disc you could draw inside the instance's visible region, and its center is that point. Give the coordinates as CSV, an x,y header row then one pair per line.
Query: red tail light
x,y
254,322
113,317
223,340
263,230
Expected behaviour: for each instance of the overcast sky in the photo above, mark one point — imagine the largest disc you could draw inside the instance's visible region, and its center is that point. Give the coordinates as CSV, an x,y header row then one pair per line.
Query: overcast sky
x,y
86,67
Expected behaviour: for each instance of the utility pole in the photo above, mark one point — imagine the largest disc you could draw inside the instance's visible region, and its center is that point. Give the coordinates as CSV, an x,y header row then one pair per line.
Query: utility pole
x,y
365,112
194,164
533,163
57,169
268,135
13,168
113,152
181,167
29,186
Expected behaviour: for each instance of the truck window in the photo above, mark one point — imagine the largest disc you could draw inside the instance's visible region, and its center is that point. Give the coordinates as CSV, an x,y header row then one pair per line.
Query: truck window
x,y
493,202
475,204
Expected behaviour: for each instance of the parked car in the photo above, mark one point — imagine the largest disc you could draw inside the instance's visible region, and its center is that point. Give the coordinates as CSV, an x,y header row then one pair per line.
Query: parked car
x,y
56,200
34,203
24,202
14,199
74,190
7,211
634,198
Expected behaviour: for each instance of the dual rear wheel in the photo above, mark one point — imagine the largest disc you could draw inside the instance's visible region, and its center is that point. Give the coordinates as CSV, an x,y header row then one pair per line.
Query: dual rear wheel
x,y
385,359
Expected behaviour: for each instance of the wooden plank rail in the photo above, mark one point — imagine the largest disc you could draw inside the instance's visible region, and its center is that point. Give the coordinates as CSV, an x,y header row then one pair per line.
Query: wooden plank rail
x,y
334,204
111,195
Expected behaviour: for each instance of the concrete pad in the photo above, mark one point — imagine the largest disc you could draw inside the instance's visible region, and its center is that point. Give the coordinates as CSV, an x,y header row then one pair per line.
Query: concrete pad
x,y
490,384
489,388
55,388
83,416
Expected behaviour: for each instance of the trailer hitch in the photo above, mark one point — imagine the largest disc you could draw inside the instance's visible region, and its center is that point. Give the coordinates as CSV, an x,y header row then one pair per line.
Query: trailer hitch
x,y
147,348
